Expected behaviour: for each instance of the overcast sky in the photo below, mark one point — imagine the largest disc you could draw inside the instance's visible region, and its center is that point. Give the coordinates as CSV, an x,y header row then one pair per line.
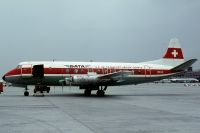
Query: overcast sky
x,y
99,30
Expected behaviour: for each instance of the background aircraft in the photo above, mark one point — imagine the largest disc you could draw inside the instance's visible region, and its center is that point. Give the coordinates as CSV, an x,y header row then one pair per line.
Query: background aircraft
x,y
184,80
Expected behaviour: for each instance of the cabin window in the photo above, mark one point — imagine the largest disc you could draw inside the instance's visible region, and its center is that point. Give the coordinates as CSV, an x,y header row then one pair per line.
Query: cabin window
x,y
90,70
133,72
82,71
112,70
99,71
105,71
67,71
139,71
118,70
76,71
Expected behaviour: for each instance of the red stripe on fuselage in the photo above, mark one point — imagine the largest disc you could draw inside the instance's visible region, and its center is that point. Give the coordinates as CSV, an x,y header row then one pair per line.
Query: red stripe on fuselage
x,y
13,72
55,71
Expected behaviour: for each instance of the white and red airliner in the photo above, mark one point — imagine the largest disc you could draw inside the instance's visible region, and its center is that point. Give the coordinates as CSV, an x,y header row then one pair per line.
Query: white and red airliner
x,y
96,75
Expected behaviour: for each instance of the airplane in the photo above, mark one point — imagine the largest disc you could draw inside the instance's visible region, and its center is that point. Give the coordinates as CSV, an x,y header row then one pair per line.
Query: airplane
x,y
96,75
184,80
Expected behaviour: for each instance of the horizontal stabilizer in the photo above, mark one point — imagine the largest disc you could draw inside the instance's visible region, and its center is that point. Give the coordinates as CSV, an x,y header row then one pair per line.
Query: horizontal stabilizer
x,y
184,65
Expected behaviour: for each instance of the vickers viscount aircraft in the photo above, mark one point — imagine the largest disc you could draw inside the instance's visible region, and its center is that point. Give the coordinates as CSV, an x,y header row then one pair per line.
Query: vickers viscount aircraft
x,y
96,75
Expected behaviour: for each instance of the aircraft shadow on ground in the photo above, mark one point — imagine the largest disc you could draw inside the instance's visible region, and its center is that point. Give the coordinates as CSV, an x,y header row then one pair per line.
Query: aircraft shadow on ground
x,y
109,95
118,95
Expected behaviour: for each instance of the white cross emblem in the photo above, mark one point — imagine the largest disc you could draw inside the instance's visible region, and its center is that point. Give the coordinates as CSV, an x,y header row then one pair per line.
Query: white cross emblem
x,y
174,53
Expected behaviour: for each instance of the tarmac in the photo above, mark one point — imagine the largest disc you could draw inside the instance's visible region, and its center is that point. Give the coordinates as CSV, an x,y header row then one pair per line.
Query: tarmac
x,y
147,108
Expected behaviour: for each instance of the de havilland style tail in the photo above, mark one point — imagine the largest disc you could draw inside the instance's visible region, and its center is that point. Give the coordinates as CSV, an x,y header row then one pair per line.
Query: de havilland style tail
x,y
96,75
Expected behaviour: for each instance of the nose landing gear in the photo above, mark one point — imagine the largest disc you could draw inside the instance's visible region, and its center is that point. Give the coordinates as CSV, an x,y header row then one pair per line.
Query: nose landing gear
x,y
26,93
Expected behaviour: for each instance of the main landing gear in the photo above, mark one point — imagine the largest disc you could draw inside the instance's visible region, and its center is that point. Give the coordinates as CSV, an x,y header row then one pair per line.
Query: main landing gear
x,y
100,91
87,92
40,90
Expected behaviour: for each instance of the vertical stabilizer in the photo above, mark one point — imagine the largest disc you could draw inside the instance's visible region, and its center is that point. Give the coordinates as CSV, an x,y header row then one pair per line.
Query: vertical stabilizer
x,y
174,50
173,56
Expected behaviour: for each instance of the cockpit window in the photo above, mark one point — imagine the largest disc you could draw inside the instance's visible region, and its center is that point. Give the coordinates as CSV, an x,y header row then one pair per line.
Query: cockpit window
x,y
19,66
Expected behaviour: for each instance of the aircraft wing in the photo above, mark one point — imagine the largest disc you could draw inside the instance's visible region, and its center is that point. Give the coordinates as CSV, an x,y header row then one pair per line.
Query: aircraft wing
x,y
117,76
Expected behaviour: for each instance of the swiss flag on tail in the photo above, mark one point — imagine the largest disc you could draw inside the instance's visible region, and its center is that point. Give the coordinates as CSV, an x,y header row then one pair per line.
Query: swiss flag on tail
x,y
174,50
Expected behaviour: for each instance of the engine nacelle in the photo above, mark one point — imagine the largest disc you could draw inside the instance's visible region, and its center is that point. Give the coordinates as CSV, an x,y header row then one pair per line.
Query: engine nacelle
x,y
84,79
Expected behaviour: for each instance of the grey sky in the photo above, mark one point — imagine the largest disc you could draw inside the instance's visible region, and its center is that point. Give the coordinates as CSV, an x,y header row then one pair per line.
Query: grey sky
x,y
101,30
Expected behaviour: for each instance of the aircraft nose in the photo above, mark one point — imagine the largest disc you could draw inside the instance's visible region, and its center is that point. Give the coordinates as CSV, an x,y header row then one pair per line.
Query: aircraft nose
x,y
4,77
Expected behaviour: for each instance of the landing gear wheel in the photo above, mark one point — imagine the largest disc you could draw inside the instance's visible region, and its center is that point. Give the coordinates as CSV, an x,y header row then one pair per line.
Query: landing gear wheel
x,y
48,89
87,92
100,93
26,93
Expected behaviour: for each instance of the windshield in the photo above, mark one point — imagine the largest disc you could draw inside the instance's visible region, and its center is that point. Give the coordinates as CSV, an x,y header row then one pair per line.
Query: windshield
x,y
19,66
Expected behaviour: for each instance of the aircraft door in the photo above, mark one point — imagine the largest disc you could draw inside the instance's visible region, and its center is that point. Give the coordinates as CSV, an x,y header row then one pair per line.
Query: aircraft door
x,y
26,71
38,71
147,70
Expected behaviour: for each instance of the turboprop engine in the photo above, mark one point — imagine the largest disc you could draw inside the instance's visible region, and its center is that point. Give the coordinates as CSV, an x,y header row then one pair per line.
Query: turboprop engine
x,y
82,79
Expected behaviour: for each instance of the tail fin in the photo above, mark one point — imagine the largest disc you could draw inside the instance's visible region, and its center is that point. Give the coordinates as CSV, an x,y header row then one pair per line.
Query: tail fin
x,y
174,50
173,56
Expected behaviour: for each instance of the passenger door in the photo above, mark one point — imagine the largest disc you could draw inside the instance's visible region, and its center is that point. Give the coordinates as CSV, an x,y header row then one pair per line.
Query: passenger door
x,y
38,71
147,71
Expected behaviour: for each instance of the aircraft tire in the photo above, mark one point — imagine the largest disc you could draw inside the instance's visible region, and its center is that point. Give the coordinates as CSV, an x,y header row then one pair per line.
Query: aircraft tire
x,y
87,92
48,89
100,93
26,93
